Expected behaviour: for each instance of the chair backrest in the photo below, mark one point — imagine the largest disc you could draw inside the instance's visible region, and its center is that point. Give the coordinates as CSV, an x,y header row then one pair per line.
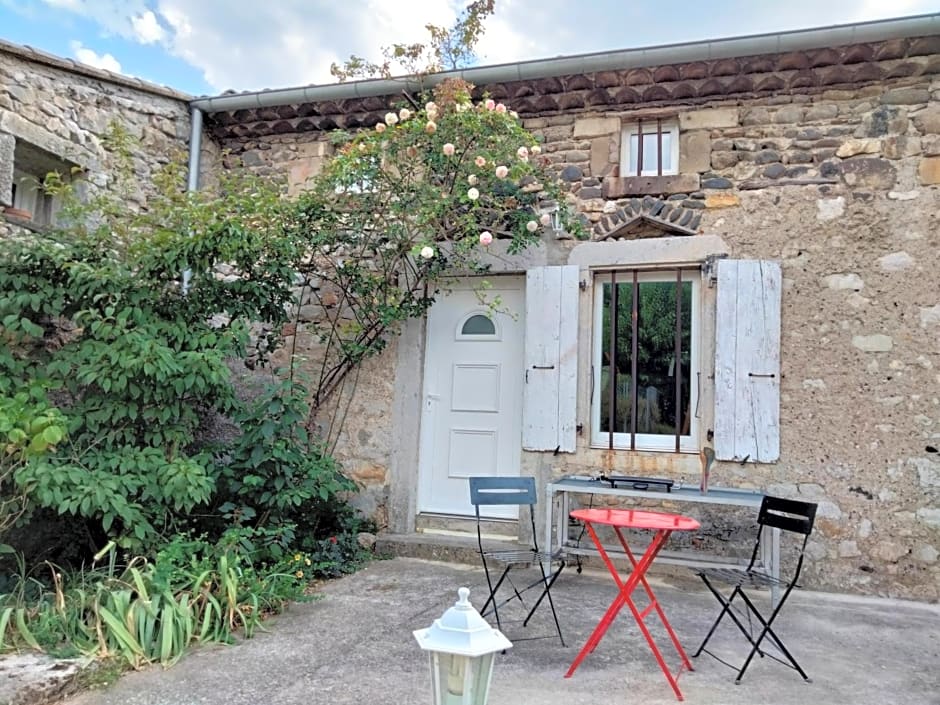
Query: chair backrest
x,y
504,491
787,515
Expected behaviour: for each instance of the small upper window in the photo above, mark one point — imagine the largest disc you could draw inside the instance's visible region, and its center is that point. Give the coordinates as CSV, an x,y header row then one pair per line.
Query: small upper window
x,y
650,148
30,197
478,325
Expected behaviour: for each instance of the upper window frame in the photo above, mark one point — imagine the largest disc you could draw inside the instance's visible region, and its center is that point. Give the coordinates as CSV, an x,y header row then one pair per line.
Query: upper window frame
x,y
633,127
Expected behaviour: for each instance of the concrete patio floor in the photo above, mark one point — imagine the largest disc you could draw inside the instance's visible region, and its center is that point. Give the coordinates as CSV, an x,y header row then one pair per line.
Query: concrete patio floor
x,y
355,646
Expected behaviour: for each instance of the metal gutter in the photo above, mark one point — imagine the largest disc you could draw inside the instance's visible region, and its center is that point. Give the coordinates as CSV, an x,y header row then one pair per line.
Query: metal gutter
x,y
192,177
751,45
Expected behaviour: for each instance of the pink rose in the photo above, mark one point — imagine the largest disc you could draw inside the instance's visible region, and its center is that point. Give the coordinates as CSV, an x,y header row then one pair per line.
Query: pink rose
x,y
531,226
431,127
380,127
490,104
480,161
404,113
500,108
486,237
545,219
448,149
502,172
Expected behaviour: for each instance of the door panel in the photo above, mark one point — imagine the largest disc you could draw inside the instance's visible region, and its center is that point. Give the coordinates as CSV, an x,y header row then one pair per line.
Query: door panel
x,y
472,395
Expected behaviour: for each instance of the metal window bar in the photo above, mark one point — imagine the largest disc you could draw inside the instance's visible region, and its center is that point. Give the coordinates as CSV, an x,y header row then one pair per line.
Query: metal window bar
x,y
634,337
677,377
612,363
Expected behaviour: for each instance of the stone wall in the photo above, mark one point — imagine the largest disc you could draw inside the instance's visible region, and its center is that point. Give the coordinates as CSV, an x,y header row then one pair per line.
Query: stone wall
x,y
841,186
63,110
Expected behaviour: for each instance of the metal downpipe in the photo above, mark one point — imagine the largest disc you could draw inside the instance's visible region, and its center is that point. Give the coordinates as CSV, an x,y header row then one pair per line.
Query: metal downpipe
x,y
192,181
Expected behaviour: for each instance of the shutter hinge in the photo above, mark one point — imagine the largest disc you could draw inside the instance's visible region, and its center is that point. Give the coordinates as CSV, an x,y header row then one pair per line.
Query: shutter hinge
x,y
579,428
710,269
582,285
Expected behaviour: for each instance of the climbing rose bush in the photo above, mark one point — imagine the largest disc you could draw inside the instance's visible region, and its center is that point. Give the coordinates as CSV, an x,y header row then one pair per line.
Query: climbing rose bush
x,y
416,199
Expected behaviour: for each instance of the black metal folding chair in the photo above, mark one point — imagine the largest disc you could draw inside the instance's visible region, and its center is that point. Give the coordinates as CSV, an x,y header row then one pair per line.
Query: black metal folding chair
x,y
786,515
515,491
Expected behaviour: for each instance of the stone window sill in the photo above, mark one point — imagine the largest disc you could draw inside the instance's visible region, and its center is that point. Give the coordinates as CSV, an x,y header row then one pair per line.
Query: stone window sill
x,y
620,186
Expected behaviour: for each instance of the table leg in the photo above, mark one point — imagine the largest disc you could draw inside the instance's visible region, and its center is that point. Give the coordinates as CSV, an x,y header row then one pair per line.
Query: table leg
x,y
625,590
654,604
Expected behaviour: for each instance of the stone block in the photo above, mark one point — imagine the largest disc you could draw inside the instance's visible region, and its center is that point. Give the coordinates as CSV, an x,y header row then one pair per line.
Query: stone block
x,y
930,145
300,172
852,148
708,118
873,343
619,186
929,171
694,152
600,157
845,282
905,96
596,126
896,262
724,160
928,121
873,173
722,200
789,114
7,145
830,208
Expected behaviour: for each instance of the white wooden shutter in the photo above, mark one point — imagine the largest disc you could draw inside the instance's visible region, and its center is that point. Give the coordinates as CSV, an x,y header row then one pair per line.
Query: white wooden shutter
x,y
747,361
551,359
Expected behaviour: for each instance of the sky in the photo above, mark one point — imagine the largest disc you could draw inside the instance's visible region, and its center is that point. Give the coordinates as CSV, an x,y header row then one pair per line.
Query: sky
x,y
205,47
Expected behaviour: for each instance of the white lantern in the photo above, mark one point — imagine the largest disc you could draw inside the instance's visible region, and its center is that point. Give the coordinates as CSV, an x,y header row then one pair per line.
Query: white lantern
x,y
461,647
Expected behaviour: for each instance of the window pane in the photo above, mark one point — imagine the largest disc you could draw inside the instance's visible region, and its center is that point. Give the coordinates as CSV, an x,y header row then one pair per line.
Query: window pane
x,y
619,372
650,152
478,325
656,358
656,363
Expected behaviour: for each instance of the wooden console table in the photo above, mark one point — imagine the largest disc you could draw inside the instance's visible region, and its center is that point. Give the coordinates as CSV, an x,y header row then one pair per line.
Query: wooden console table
x,y
558,508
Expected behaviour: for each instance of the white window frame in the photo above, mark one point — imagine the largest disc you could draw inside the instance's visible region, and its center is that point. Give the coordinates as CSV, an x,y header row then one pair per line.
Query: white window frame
x,y
645,441
632,129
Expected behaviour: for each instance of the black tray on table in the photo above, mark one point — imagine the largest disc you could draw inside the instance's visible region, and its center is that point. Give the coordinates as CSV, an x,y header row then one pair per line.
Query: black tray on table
x,y
638,483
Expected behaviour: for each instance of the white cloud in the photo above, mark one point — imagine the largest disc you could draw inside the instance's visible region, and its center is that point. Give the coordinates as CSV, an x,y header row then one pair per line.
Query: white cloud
x,y
147,29
250,45
92,58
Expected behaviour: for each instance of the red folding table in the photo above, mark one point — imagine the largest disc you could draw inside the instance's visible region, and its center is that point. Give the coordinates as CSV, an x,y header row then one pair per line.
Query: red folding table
x,y
663,525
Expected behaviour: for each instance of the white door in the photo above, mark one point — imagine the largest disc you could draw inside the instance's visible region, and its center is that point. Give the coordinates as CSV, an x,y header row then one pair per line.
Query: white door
x,y
473,377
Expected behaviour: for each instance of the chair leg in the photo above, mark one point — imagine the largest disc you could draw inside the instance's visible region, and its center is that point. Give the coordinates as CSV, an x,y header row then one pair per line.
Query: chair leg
x,y
768,631
726,606
547,582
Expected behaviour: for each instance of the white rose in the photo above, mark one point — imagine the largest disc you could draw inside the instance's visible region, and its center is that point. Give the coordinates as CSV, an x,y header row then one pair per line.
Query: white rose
x,y
427,252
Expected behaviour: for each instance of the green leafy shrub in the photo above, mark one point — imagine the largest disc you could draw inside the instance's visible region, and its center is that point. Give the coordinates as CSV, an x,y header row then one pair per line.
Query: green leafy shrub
x,y
29,428
146,612
274,473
